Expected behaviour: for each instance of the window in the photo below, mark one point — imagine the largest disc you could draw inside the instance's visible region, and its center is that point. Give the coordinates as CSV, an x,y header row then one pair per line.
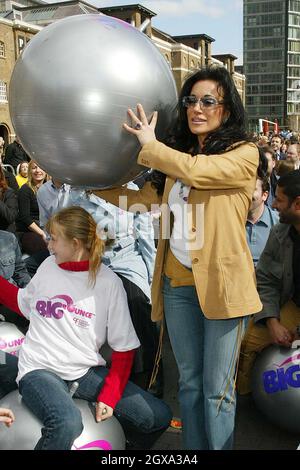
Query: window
x,y
294,5
293,72
2,49
294,46
294,59
3,92
272,78
260,67
21,43
271,99
272,89
252,21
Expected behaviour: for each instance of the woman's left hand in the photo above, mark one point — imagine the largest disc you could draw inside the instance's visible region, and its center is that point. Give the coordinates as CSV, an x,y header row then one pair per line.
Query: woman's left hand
x,y
141,128
103,411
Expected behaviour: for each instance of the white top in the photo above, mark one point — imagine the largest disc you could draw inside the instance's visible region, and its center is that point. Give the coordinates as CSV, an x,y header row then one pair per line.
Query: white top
x,y
70,320
179,241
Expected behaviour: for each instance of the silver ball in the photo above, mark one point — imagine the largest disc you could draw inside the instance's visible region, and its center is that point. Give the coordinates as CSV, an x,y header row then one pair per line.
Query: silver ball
x,y
11,338
276,386
26,429
69,95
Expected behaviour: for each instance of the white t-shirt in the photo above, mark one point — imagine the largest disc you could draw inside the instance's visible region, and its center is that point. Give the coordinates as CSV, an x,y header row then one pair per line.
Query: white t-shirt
x,y
179,240
70,320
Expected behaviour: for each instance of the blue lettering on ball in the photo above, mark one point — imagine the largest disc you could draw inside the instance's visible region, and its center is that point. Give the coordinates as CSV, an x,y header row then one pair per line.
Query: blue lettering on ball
x,y
280,379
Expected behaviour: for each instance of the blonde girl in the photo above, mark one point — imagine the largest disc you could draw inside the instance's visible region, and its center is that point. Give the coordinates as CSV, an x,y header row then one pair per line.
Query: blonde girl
x,y
31,236
75,304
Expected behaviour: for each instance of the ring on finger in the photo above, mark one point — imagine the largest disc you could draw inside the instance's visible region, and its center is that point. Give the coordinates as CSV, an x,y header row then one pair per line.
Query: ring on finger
x,y
138,126
104,411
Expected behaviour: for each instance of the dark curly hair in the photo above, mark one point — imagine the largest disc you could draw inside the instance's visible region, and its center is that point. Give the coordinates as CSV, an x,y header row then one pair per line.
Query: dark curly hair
x,y
231,131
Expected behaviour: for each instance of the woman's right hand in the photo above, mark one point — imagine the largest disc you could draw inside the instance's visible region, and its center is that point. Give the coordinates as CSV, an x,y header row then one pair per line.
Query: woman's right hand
x,y
141,128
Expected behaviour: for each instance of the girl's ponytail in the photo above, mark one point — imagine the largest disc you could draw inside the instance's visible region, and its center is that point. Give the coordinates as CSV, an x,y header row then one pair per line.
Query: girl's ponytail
x,y
96,251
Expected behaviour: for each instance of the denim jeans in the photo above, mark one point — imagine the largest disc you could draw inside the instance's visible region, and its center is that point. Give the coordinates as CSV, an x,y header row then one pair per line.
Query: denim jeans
x,y
143,417
206,352
8,373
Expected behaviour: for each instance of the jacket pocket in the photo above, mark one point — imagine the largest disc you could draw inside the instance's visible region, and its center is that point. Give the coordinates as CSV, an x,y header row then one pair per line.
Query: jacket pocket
x,y
7,267
238,278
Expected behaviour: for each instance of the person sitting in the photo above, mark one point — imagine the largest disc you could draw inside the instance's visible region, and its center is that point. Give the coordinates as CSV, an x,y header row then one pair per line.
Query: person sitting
x,y
130,253
15,154
278,282
260,219
9,176
74,304
32,238
12,268
8,205
22,173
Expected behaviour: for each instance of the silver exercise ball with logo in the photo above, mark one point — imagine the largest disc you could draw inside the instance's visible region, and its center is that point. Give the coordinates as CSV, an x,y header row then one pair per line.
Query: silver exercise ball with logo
x,y
276,386
70,91
26,429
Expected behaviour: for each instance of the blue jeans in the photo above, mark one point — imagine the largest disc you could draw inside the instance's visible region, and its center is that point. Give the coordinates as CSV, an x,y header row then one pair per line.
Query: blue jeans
x,y
143,417
206,352
8,373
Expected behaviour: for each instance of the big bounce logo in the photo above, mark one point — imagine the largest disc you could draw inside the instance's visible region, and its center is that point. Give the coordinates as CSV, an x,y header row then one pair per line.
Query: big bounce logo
x,y
57,306
285,375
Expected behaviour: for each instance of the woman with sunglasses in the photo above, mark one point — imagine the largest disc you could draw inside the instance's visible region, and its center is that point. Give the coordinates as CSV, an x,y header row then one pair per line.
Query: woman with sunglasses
x,y
204,280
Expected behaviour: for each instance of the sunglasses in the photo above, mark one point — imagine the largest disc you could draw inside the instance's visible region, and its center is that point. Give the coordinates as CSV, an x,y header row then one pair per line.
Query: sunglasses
x,y
208,102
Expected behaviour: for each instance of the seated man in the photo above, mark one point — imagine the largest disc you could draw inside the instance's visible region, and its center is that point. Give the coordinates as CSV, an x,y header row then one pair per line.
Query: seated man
x,y
278,282
260,220
13,269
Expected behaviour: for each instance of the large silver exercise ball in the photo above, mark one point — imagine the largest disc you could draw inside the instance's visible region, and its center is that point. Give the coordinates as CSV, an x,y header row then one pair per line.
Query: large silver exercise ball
x,y
276,386
26,430
70,91
11,338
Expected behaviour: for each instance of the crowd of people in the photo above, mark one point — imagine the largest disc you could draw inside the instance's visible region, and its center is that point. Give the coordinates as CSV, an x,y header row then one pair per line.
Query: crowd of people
x,y
224,276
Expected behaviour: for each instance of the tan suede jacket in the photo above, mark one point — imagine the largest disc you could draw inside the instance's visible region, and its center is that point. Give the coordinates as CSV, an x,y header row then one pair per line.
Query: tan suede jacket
x,y
219,200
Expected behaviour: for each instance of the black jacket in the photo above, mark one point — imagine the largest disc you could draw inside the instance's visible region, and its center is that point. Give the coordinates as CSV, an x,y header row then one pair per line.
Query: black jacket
x,y
15,154
11,180
28,209
8,210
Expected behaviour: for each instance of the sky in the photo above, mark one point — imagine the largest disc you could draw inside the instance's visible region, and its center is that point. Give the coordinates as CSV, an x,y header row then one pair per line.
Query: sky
x,y
220,19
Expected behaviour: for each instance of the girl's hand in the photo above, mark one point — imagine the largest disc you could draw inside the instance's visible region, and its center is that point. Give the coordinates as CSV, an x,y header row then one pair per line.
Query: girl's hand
x,y
141,128
6,416
103,411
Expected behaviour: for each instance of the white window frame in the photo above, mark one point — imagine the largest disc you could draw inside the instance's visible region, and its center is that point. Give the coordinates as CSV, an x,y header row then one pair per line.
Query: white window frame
x,y
2,50
3,92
